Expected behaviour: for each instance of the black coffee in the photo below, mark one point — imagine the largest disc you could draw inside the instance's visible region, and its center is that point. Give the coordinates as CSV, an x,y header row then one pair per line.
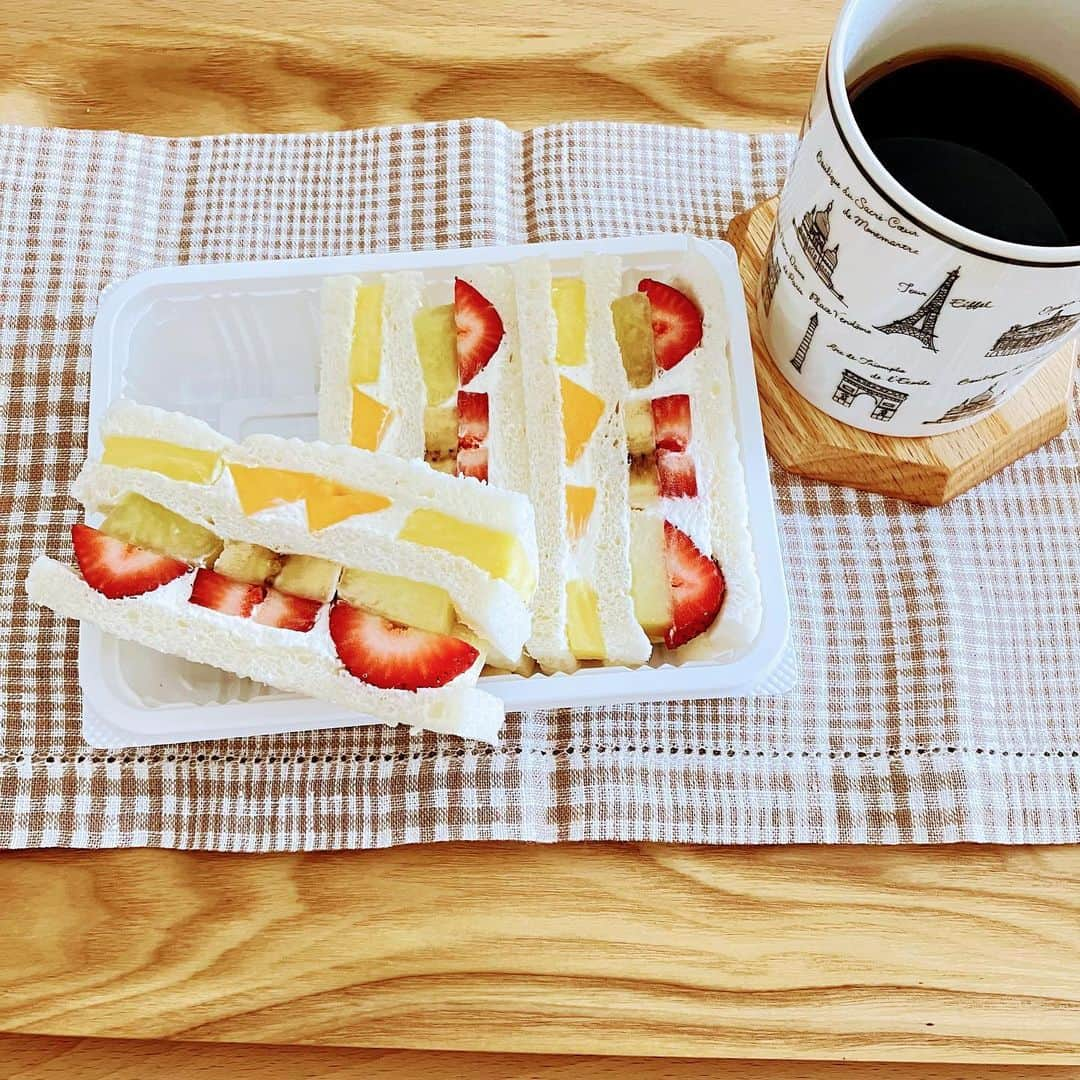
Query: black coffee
x,y
988,143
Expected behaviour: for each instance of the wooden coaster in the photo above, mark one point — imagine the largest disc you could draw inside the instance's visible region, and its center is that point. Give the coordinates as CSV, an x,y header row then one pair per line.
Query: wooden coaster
x,y
922,470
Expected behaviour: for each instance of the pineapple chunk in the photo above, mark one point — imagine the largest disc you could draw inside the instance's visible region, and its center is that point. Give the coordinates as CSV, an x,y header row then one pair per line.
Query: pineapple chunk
x,y
366,354
581,412
632,316
146,524
412,603
440,430
650,588
644,482
583,632
370,419
436,343
499,553
640,433
169,459
568,302
250,563
307,576
579,507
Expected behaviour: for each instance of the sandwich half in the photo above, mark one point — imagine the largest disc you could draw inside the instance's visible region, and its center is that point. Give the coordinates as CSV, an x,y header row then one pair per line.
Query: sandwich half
x,y
695,583
578,481
366,580
604,394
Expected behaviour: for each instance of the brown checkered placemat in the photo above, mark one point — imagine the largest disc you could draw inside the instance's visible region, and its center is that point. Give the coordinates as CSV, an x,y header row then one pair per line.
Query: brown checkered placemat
x,y
939,649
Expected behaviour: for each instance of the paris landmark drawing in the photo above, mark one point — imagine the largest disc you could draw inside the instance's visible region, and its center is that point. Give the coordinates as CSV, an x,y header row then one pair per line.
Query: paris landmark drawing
x,y
886,399
980,403
1021,338
813,233
921,324
799,358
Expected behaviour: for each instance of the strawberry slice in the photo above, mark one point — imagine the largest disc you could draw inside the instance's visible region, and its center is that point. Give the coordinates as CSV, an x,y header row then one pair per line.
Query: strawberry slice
x,y
472,456
472,424
676,322
479,330
675,471
287,612
396,657
697,587
222,594
671,421
473,461
116,569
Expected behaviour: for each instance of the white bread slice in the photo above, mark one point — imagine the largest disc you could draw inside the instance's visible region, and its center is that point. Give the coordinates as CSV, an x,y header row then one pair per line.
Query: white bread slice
x,y
401,380
127,417
279,658
624,640
401,362
338,315
490,606
546,442
405,391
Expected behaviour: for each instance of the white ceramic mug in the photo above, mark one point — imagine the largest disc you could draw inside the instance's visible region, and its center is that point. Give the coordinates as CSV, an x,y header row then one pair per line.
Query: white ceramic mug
x,y
878,310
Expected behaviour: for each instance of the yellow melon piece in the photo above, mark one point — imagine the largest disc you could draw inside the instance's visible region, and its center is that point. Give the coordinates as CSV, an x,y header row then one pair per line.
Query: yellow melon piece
x,y
568,302
579,507
499,553
259,487
367,334
370,419
328,503
583,632
581,412
436,344
169,459
413,603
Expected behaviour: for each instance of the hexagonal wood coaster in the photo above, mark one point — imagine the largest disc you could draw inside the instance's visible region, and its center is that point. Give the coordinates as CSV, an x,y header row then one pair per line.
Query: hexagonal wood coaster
x,y
929,470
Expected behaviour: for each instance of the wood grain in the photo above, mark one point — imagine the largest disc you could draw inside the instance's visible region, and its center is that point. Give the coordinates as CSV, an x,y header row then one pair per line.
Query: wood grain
x,y
204,66
957,954
43,1057
930,471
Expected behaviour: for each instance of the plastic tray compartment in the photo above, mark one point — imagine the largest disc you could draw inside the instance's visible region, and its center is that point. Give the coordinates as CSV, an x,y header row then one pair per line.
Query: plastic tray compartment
x,y
237,345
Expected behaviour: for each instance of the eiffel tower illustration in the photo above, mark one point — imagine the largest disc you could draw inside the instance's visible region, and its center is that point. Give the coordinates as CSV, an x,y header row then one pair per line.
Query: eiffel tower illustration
x,y
799,358
920,323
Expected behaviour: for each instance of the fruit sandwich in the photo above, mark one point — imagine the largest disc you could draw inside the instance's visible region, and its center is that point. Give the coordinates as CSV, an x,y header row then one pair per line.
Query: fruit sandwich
x,y
603,394
366,580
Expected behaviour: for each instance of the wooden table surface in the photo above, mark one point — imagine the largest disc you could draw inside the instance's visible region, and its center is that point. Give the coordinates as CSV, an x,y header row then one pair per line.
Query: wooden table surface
x,y
501,960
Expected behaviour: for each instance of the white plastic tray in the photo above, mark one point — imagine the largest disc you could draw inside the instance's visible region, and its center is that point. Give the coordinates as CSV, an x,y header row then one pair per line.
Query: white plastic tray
x,y
237,345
